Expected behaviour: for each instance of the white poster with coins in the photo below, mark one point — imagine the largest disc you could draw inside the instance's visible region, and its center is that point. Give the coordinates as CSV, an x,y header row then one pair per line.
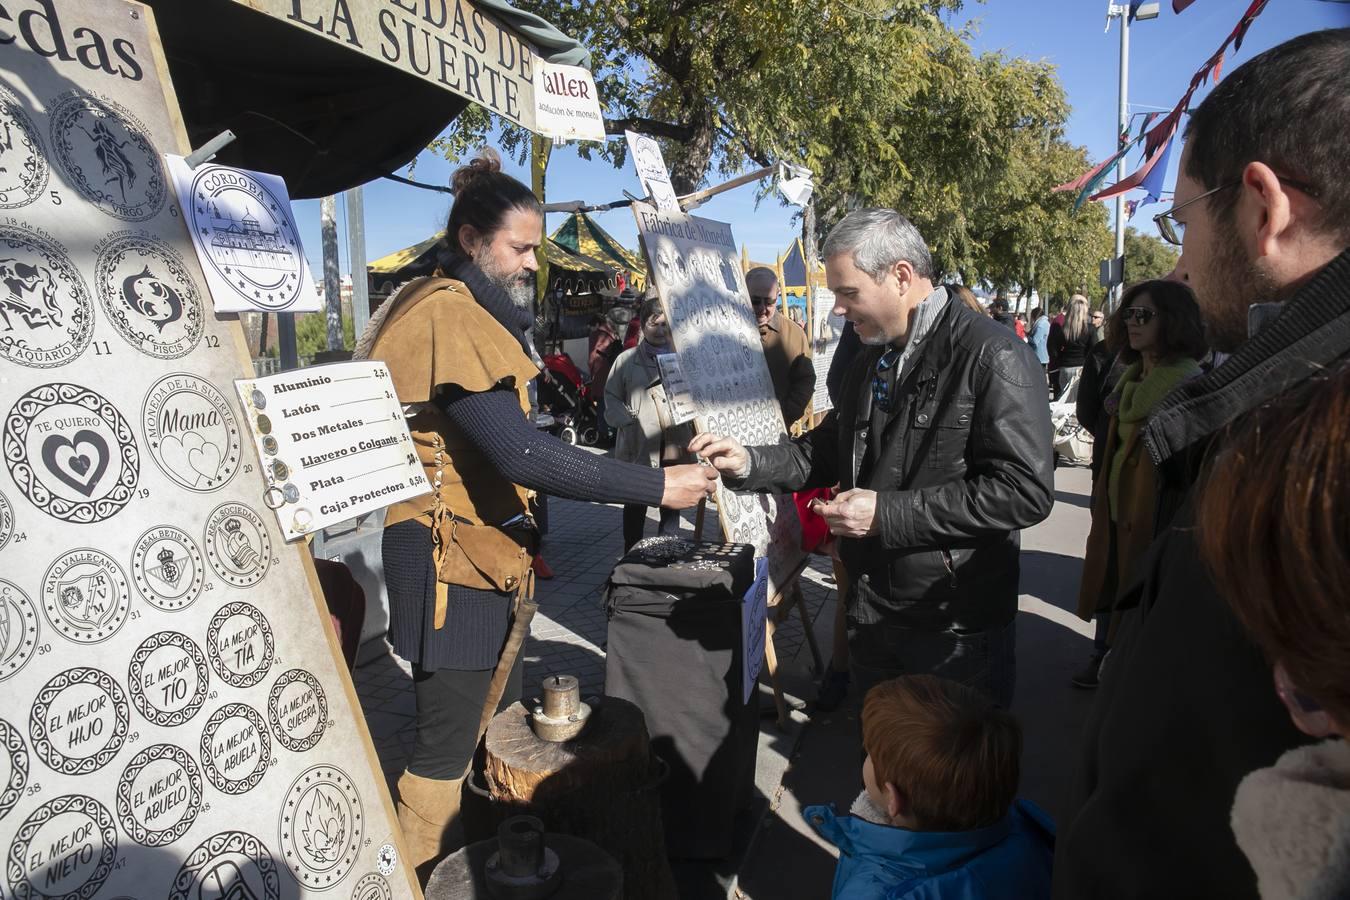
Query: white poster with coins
x,y
175,723
698,275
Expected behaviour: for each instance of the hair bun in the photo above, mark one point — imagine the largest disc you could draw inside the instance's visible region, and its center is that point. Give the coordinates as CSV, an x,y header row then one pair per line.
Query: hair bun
x,y
487,162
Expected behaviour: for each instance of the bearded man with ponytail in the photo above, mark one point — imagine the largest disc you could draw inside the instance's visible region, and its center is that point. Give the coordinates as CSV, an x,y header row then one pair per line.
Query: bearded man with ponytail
x,y
457,560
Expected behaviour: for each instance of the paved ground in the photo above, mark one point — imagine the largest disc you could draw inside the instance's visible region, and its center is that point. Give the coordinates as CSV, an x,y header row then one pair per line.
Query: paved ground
x,y
811,761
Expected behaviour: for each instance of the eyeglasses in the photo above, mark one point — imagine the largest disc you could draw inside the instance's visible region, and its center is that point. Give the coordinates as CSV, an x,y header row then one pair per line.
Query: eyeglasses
x,y
1173,230
1137,315
761,301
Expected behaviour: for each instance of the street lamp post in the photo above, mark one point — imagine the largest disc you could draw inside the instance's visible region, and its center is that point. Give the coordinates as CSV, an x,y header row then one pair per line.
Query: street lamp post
x,y
1122,11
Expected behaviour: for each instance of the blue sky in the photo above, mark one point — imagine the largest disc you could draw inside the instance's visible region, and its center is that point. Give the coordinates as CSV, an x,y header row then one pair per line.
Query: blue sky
x,y
1164,53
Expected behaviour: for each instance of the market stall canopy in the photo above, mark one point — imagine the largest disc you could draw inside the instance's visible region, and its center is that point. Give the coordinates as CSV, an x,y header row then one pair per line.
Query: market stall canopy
x,y
794,268
580,234
330,94
572,272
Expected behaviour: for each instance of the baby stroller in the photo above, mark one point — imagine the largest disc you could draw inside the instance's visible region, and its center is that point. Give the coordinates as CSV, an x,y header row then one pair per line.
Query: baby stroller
x,y
1073,442
565,395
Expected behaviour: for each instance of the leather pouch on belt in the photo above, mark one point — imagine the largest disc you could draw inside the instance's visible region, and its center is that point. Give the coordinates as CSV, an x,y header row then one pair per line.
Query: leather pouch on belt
x,y
482,556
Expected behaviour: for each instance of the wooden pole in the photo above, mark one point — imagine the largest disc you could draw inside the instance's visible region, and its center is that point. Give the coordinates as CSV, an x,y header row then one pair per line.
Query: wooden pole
x,y
541,148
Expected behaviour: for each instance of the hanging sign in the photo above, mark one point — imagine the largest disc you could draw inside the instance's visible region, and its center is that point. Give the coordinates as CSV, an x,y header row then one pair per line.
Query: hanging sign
x,y
697,270
246,239
450,43
682,407
651,171
565,103
825,333
332,442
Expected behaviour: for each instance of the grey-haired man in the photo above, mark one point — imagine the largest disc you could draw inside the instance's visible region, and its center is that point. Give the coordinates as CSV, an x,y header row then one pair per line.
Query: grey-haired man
x,y
940,445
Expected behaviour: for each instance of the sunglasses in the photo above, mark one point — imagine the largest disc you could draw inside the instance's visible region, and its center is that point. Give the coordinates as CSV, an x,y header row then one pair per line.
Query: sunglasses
x,y
1137,315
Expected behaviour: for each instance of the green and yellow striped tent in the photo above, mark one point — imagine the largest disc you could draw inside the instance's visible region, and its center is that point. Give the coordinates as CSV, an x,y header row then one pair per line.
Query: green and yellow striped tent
x,y
573,272
581,234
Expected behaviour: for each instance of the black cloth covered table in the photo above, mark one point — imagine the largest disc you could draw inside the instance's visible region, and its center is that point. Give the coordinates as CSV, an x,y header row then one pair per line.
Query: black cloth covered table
x,y
675,649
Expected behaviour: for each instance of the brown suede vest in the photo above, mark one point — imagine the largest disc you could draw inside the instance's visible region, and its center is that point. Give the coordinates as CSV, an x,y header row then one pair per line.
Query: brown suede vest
x,y
439,335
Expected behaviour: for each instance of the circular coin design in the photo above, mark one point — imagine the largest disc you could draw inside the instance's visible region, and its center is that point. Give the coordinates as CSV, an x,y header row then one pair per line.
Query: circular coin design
x,y
237,544
79,721
239,640
191,432
231,865
6,521
46,314
386,859
104,152
23,165
159,795
86,596
168,568
298,710
235,749
168,678
13,767
18,629
321,827
372,887
65,850
71,453
149,296
248,237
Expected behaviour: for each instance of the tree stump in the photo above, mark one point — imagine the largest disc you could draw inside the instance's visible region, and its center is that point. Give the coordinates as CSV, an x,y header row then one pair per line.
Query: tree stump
x,y
589,873
601,786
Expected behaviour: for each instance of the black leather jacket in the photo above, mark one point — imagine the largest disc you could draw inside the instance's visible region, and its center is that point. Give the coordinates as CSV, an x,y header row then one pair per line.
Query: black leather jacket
x,y
965,462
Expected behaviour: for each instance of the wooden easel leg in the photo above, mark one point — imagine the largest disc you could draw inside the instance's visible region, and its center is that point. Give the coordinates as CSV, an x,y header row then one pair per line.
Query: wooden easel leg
x,y
817,667
771,663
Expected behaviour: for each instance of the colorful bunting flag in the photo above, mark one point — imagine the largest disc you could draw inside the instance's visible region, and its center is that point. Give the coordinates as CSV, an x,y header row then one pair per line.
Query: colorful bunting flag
x,y
1180,5
1161,134
1153,184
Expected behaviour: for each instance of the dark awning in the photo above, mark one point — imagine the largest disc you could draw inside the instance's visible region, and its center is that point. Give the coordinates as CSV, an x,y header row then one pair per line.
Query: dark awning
x,y
320,115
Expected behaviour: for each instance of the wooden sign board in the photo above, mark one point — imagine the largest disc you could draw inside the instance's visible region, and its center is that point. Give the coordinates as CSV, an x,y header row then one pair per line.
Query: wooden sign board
x,y
826,329
176,721
450,43
698,274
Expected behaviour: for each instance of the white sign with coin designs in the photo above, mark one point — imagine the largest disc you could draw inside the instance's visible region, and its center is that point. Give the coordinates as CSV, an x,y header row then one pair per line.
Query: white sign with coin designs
x,y
333,444
246,238
177,722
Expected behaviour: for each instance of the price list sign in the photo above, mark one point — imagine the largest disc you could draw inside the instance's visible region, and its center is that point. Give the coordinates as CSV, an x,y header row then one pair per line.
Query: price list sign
x,y
333,444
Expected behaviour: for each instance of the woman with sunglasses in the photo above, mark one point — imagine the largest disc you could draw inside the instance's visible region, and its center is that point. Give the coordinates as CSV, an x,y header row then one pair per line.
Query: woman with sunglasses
x,y
1158,334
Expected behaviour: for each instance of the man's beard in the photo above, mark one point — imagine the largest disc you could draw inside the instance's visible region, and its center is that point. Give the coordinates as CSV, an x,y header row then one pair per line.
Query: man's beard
x,y
518,286
1233,282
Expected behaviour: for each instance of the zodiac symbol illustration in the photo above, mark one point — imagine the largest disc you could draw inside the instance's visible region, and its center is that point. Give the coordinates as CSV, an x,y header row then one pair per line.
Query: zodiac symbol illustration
x,y
148,295
117,167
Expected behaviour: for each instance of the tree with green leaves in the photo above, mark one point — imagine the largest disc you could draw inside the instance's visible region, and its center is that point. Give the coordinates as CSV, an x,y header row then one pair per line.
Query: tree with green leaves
x,y
1147,256
882,99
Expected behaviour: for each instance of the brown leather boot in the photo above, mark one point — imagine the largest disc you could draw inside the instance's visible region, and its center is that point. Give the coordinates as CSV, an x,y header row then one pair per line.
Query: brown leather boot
x,y
428,814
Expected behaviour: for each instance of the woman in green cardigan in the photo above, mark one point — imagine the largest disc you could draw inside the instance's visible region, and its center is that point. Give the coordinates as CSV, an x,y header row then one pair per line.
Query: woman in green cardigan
x,y
1158,334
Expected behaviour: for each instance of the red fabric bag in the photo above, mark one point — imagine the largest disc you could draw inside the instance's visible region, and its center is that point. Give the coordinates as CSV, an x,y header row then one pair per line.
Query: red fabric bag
x,y
815,533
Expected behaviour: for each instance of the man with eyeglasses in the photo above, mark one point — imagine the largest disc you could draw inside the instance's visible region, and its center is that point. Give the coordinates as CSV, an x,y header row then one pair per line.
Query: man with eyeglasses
x,y
940,445
1098,326
1187,706
785,345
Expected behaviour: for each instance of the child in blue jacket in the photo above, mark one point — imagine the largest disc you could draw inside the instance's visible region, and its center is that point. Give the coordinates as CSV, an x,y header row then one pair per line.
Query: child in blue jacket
x,y
938,818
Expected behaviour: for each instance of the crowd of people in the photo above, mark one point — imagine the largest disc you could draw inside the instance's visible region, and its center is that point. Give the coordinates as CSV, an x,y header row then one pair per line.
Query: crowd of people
x,y
1217,568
